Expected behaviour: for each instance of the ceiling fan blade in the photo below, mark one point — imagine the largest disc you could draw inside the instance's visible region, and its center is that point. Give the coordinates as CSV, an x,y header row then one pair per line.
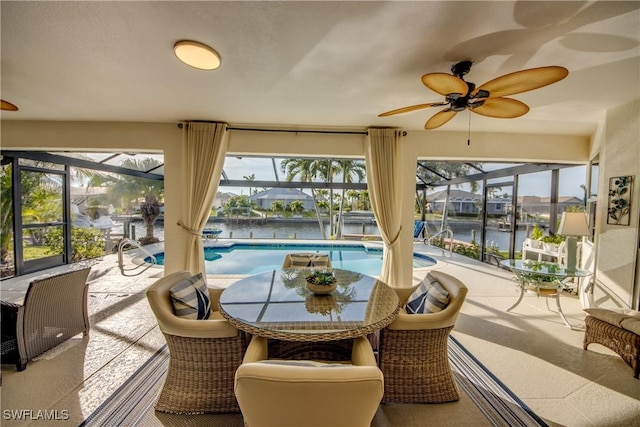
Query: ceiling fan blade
x,y
411,108
444,84
6,105
502,108
439,118
523,81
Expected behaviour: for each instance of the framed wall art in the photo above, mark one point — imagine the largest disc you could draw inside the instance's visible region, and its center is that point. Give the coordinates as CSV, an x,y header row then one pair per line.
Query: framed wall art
x,y
619,204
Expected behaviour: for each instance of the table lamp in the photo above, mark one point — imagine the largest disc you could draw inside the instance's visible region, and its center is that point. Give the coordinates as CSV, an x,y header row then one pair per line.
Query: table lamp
x,y
572,226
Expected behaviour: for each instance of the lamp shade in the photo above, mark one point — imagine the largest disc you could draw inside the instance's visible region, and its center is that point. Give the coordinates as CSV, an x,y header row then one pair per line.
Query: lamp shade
x,y
573,224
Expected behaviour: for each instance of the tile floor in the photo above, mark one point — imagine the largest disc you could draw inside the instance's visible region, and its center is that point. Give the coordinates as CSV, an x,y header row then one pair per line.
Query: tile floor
x,y
529,349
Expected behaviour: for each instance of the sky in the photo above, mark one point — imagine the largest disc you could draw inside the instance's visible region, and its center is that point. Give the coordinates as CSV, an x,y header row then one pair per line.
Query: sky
x,y
533,184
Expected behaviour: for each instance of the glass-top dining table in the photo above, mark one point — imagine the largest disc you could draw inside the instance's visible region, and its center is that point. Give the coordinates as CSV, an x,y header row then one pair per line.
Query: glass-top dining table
x,y
278,305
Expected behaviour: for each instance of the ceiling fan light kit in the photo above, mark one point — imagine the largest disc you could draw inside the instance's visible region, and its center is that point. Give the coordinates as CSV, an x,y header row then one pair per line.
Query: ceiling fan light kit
x,y
488,99
197,55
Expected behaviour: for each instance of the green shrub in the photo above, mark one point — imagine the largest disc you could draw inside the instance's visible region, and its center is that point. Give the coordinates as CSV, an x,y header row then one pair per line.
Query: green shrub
x,y
556,239
536,233
472,251
86,243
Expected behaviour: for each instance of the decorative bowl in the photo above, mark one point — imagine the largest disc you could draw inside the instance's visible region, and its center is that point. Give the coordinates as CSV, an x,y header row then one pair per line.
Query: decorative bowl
x,y
321,282
321,289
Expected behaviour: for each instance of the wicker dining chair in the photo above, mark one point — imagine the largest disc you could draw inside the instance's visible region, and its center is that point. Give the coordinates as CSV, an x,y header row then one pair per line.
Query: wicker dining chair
x,y
54,310
204,354
413,353
310,393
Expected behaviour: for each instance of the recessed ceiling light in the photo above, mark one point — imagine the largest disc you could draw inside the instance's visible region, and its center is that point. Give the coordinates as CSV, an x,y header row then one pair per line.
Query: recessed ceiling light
x,y
197,55
6,105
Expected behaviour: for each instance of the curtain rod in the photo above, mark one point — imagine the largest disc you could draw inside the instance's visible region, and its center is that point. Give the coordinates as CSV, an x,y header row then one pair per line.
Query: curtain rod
x,y
344,132
301,131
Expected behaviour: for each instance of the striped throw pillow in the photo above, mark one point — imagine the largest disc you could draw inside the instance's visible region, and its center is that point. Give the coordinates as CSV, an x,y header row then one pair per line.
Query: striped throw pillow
x,y
190,298
429,297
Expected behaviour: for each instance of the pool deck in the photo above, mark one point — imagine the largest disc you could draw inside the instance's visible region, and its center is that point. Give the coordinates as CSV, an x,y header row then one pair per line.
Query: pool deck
x,y
529,349
13,289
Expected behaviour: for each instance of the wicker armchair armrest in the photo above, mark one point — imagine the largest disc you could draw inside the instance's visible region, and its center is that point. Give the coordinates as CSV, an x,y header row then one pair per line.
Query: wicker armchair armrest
x,y
406,321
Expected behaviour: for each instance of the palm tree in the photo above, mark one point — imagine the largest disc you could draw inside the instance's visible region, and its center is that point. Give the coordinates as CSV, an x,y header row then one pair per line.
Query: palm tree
x,y
306,170
277,206
250,178
327,172
134,188
296,206
349,169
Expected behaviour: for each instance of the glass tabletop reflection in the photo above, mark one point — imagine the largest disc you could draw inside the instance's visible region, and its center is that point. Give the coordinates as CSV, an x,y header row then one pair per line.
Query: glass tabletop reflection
x,y
277,304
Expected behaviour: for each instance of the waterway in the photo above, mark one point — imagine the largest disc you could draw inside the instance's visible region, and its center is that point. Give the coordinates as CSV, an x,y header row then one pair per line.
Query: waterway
x,y
463,231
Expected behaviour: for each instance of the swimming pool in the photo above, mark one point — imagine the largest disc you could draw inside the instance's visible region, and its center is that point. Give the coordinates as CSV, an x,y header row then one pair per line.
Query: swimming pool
x,y
254,258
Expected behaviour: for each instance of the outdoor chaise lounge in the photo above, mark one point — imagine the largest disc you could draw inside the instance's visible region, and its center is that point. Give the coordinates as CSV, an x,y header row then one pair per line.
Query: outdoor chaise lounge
x,y
418,228
306,259
54,310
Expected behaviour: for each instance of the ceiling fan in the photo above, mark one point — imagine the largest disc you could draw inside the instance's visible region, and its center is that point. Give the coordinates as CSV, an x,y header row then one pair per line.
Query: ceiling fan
x,y
6,105
488,99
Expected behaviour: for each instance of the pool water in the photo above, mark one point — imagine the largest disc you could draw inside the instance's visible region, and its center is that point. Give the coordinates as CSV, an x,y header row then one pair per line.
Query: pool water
x,y
242,258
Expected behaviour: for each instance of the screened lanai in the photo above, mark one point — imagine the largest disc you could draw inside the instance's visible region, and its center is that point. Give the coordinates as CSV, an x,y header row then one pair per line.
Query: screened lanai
x,y
490,205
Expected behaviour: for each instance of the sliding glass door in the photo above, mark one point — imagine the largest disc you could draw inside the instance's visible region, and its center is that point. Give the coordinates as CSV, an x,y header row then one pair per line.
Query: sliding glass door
x,y
42,237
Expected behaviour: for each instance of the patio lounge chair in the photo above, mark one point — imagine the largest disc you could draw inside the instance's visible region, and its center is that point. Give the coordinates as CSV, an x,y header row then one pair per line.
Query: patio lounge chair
x,y
414,349
204,354
292,393
418,227
54,310
306,259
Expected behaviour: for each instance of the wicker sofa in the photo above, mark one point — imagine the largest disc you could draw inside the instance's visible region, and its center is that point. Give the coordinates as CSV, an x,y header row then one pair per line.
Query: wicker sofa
x,y
54,310
618,330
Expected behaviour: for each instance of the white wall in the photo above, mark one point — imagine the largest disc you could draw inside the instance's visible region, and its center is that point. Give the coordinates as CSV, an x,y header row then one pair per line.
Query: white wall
x,y
616,262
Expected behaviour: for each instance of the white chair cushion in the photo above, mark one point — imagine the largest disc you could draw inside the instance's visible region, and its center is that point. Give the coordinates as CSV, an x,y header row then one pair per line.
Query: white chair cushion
x,y
613,316
190,298
429,297
631,324
305,363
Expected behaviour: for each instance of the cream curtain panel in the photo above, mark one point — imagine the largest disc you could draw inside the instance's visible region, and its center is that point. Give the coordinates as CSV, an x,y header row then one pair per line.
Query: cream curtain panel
x,y
383,179
204,150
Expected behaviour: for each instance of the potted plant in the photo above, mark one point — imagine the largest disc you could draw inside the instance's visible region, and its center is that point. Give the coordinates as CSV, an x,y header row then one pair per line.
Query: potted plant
x,y
321,282
551,242
536,234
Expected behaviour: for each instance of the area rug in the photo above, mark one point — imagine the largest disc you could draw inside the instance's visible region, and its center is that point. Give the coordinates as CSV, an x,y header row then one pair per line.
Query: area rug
x,y
132,403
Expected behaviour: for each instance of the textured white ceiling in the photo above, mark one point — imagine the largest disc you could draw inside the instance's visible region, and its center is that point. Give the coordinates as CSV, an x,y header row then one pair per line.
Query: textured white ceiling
x,y
329,64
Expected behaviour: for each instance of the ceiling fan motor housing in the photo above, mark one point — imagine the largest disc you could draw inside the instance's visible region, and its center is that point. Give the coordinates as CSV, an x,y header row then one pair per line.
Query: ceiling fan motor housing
x,y
461,68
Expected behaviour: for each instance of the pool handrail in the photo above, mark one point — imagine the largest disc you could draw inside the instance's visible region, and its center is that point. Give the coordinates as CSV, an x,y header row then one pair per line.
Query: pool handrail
x,y
130,242
449,235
